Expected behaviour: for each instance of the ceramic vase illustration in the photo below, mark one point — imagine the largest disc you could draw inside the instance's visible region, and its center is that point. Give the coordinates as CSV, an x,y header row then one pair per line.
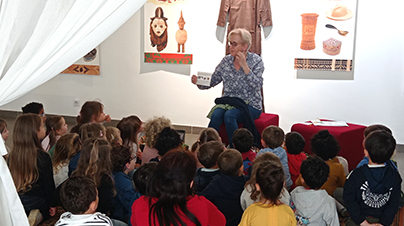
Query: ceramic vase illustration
x,y
309,23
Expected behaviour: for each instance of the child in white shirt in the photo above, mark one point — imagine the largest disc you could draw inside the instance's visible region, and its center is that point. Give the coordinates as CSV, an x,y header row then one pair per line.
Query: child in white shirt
x,y
79,196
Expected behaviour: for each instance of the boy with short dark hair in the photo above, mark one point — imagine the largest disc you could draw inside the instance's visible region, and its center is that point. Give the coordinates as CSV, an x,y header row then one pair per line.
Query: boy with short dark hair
x,y
208,154
271,139
34,108
372,191
294,145
123,162
367,131
243,140
311,204
79,197
225,189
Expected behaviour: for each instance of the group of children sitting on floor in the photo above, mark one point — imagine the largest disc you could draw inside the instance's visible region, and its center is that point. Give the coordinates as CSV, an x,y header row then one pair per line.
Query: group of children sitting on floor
x,y
114,176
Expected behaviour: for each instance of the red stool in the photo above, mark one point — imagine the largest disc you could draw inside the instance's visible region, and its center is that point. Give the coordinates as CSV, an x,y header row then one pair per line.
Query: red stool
x,y
261,123
350,139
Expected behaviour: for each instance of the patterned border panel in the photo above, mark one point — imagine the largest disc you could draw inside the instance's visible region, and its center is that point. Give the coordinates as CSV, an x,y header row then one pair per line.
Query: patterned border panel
x,y
82,69
168,58
323,64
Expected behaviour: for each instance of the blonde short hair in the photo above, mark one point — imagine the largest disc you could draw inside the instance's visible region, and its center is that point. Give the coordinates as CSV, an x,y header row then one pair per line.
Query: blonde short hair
x,y
152,129
244,34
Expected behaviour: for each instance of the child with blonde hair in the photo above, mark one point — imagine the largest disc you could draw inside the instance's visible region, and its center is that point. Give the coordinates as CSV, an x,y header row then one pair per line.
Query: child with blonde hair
x,y
113,135
152,129
269,210
66,147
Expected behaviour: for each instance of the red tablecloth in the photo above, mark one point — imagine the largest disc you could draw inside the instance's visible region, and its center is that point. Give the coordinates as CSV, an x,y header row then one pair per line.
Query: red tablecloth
x,y
350,139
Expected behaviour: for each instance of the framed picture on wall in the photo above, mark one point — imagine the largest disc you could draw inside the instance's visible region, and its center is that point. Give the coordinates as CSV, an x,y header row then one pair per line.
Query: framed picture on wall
x,y
87,65
326,31
165,34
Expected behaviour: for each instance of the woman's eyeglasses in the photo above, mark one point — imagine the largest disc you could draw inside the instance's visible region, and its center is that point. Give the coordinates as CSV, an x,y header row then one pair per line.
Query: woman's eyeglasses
x,y
234,44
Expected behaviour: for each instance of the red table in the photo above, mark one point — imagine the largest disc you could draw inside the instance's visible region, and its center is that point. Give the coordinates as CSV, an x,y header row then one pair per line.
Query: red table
x,y
350,139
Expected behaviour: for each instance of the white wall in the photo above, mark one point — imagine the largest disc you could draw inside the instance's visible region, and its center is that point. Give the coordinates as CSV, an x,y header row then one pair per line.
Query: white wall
x,y
374,96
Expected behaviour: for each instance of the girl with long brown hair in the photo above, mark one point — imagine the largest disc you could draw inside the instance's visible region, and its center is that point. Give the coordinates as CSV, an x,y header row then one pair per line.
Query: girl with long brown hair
x,y
269,210
31,167
130,127
95,162
55,127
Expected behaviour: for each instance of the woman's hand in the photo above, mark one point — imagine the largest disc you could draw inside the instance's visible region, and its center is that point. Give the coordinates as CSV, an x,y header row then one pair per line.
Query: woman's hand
x,y
194,79
52,211
241,59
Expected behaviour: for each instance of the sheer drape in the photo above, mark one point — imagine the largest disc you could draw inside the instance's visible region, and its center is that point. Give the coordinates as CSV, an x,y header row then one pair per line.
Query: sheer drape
x,y
40,38
11,209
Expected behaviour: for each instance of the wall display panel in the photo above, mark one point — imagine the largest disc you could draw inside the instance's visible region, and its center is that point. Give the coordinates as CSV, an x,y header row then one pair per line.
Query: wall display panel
x,y
87,65
325,39
165,34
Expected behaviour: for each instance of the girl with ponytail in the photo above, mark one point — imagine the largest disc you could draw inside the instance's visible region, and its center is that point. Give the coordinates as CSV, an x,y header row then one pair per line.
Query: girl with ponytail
x,y
95,162
91,111
55,127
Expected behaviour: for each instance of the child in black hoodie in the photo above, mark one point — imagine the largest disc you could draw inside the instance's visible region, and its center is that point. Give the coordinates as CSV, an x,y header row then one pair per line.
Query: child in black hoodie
x,y
372,191
224,190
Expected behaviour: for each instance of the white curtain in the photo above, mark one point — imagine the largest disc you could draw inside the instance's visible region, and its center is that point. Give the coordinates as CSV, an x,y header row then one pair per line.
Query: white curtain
x,y
11,209
38,40
41,38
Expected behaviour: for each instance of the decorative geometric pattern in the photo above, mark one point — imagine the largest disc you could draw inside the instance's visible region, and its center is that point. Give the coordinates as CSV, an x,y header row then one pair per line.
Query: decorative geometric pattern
x,y
168,58
82,69
323,64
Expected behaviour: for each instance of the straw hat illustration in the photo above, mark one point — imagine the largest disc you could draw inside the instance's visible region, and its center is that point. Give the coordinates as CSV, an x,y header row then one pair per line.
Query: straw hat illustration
x,y
339,12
